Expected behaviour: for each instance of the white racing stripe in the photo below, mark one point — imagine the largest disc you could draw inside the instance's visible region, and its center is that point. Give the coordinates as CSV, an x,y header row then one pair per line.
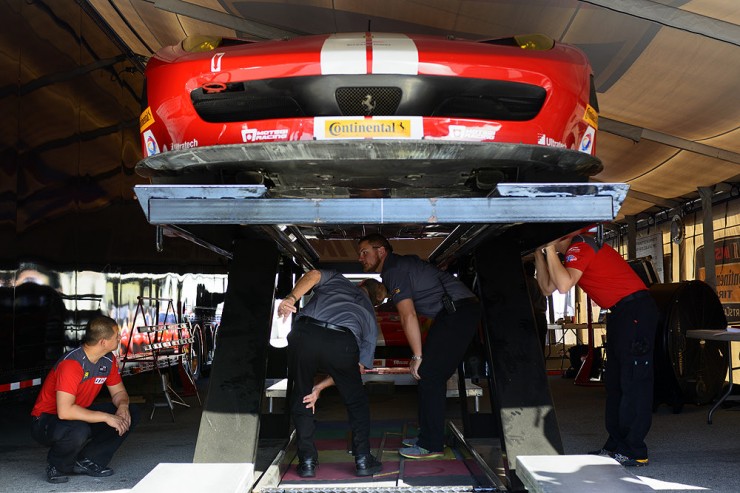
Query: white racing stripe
x,y
344,54
349,54
395,54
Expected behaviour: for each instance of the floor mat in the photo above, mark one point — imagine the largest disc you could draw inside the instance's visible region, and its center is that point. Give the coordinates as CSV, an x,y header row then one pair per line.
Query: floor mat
x,y
337,467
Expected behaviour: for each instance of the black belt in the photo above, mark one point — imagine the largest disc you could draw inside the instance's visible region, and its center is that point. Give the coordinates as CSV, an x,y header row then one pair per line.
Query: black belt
x,y
630,297
325,325
466,301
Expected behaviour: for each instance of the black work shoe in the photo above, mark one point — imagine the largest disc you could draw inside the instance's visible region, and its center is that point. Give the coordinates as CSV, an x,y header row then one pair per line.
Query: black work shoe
x,y
54,475
307,467
86,466
367,465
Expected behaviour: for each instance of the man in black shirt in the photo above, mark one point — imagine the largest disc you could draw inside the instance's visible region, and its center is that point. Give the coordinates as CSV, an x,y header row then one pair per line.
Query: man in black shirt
x,y
336,332
417,286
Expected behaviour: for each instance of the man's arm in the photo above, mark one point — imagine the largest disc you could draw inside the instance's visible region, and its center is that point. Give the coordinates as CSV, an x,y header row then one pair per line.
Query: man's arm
x,y
67,409
303,286
120,399
559,276
410,324
543,277
310,399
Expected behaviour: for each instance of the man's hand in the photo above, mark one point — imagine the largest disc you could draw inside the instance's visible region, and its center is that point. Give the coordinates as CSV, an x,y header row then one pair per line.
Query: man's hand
x,y
414,365
310,399
124,413
286,307
118,422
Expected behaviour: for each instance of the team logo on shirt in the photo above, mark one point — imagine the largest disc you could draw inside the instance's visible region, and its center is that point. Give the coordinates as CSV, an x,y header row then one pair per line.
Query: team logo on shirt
x,y
570,258
100,380
87,374
103,369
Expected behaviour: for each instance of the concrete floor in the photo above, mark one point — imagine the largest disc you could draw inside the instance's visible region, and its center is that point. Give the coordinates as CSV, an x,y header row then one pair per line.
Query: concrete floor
x,y
686,454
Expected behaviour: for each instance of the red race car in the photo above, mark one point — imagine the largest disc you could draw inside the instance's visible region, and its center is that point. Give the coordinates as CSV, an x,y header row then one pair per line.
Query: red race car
x,y
346,114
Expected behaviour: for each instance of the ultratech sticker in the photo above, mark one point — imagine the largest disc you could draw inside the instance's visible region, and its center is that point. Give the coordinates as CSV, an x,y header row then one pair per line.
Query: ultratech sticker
x,y
591,116
146,119
544,140
367,128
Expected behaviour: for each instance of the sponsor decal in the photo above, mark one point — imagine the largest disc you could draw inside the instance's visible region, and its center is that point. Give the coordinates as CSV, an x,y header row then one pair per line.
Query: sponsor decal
x,y
103,369
181,146
570,258
461,132
368,128
100,380
587,141
216,62
544,140
591,116
146,119
150,143
254,135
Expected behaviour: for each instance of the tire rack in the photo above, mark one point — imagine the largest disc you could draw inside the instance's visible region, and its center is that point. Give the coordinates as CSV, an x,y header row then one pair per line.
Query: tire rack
x,y
159,353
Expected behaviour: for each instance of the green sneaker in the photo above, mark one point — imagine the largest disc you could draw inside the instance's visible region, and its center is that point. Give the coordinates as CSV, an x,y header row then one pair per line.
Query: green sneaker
x,y
409,442
417,452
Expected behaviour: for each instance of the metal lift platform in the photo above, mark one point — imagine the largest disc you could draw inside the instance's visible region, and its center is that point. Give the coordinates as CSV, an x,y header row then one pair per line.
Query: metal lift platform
x,y
484,227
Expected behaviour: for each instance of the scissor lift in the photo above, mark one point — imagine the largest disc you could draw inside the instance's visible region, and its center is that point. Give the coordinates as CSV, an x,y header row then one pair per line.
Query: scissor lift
x,y
520,397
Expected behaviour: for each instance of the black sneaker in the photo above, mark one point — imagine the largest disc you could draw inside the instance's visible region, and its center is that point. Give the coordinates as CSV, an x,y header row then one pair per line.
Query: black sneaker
x,y
306,468
86,466
629,461
367,465
54,475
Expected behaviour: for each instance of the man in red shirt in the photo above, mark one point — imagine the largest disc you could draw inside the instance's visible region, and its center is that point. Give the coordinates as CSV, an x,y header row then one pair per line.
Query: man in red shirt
x,y
84,436
631,324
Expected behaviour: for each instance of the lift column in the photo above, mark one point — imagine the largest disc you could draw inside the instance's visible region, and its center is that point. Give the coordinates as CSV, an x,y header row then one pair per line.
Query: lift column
x,y
229,426
521,391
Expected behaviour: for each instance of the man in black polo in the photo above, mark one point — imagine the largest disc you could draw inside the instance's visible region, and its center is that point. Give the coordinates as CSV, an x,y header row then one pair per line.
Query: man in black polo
x,y
417,286
335,333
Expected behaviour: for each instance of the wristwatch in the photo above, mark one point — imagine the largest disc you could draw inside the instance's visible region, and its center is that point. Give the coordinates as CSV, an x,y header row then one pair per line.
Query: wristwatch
x,y
416,358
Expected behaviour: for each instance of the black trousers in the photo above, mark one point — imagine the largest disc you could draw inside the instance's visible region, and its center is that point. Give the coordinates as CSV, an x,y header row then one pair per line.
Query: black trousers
x,y
70,440
313,349
629,375
443,350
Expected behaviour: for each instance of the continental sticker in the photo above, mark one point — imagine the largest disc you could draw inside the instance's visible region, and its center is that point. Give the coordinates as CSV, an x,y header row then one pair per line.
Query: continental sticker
x,y
591,116
367,128
146,119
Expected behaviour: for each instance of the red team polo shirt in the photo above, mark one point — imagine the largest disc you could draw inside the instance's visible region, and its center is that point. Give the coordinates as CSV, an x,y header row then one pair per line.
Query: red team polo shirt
x,y
76,375
606,278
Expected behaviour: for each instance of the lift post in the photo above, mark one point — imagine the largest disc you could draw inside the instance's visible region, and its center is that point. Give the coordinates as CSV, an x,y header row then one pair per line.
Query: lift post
x,y
229,427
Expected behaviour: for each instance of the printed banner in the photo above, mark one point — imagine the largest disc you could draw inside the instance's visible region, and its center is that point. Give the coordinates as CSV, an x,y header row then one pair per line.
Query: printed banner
x,y
727,268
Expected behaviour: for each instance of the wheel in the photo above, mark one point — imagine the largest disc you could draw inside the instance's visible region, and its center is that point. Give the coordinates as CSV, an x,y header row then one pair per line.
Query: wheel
x,y
194,353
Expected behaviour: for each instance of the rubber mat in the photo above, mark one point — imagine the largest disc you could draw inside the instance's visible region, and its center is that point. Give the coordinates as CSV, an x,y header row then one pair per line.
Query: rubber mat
x,y
337,467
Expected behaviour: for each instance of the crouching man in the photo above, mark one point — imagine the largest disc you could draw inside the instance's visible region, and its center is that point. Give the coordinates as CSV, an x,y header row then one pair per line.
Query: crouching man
x,y
83,436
